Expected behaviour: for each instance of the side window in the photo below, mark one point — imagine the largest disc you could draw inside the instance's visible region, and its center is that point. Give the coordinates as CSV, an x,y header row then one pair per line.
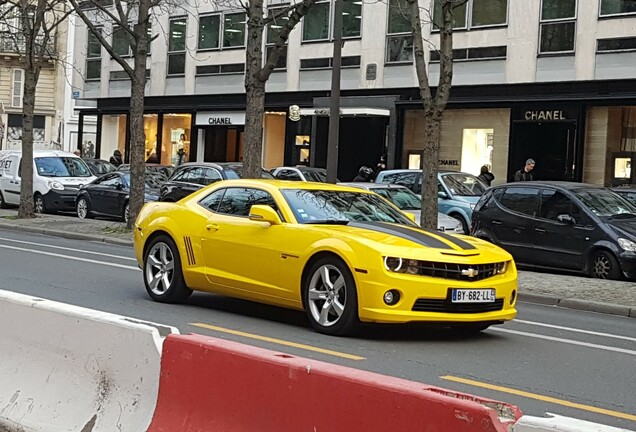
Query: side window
x,y
553,204
521,200
195,175
288,174
238,201
210,176
181,175
211,202
112,180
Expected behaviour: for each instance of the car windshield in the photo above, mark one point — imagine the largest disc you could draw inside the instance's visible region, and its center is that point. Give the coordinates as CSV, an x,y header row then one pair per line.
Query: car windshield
x,y
315,175
329,206
99,167
235,172
402,198
464,184
605,203
60,166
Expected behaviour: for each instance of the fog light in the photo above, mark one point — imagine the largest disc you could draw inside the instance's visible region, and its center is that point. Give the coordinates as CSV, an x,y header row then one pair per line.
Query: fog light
x,y
391,297
513,297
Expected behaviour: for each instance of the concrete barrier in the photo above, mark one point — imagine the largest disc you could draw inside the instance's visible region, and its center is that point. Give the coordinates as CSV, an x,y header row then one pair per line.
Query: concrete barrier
x,y
209,384
66,368
556,423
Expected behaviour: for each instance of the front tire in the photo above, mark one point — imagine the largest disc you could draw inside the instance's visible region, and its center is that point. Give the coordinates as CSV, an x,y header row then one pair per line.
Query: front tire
x,y
163,276
126,213
39,206
461,220
330,297
83,209
605,266
3,204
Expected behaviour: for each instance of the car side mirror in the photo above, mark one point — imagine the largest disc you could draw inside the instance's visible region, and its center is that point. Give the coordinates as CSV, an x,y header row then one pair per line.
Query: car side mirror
x,y
442,195
119,186
566,219
264,213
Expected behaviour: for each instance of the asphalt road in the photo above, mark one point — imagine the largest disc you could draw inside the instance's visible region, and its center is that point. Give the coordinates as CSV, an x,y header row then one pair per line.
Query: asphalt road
x,y
573,363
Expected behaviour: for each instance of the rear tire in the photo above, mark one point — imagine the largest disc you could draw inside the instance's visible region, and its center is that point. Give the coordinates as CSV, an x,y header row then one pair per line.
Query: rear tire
x,y
163,276
604,266
126,213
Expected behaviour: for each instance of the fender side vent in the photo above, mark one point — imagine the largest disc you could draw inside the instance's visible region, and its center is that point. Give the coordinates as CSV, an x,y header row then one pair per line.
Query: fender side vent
x,y
189,251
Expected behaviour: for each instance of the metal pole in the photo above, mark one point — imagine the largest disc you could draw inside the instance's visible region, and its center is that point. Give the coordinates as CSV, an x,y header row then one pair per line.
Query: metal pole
x,y
334,107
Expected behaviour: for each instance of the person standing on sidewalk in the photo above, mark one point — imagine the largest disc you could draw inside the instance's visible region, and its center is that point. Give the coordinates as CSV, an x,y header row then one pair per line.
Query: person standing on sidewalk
x,y
525,173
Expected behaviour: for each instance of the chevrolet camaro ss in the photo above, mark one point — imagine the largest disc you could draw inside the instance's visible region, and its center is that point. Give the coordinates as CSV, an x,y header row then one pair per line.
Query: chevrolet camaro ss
x,y
343,255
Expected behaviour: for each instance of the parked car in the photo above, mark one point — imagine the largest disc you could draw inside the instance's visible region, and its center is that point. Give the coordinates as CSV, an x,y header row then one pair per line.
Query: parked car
x,y
560,225
627,192
407,201
57,176
162,171
192,176
108,196
342,254
301,173
99,166
458,191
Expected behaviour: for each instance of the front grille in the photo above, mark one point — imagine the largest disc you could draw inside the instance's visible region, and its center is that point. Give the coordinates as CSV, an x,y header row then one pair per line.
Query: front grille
x,y
445,305
472,272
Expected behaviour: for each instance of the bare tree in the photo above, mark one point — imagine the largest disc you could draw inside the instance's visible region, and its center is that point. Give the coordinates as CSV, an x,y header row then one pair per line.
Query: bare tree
x,y
29,29
257,74
133,19
434,105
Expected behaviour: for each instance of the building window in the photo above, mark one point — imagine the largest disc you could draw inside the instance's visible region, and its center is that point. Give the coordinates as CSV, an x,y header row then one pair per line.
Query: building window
x,y
232,68
177,46
93,57
482,53
17,91
399,40
558,26
121,44
617,7
273,29
474,14
327,63
616,44
318,23
123,75
230,25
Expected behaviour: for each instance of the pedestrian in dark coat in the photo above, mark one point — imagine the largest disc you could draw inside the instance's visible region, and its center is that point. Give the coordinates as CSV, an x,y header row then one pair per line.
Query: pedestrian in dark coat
x,y
116,158
525,173
485,175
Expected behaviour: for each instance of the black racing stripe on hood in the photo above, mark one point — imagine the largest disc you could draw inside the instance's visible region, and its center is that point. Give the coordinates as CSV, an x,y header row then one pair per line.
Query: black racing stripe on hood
x,y
458,242
419,237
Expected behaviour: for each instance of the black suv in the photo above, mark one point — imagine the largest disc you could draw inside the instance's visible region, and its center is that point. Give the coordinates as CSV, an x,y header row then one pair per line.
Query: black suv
x,y
192,176
560,225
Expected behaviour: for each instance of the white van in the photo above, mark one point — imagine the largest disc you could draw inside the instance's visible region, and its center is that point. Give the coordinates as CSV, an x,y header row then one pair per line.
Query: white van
x,y
57,177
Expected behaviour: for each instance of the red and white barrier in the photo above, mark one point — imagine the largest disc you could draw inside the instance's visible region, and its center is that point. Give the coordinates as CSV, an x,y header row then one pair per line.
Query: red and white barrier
x,y
66,368
210,384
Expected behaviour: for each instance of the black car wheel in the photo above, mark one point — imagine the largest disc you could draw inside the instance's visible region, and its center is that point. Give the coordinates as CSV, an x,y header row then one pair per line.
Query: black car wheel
x,y
83,209
330,298
605,266
38,204
163,275
461,220
126,213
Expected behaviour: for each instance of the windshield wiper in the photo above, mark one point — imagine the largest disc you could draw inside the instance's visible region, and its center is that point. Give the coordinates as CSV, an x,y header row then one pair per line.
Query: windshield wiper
x,y
329,222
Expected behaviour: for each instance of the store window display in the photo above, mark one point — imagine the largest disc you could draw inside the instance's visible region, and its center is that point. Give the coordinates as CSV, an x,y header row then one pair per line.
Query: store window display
x,y
477,146
175,143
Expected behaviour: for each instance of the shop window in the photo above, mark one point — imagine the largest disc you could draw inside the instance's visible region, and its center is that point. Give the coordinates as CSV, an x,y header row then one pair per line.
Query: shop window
x,y
177,46
14,131
175,138
399,40
234,30
617,7
17,91
558,26
477,147
414,160
318,23
474,14
616,44
93,57
485,53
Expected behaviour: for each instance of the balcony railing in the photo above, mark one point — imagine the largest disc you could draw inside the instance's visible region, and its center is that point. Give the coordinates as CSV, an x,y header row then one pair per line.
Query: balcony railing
x,y
15,44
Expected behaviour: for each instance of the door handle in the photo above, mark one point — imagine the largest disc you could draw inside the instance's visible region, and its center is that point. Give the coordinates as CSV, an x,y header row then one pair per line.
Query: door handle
x,y
541,230
212,227
496,222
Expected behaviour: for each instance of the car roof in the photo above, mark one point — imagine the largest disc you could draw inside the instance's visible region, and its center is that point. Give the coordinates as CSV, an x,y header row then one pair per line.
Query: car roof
x,y
42,153
287,184
301,168
368,186
408,170
555,184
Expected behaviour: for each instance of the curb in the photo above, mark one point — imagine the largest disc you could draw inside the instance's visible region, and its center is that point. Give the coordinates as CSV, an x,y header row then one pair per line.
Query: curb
x,y
585,305
68,235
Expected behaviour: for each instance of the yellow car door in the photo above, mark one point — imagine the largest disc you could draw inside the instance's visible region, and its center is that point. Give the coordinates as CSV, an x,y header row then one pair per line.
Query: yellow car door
x,y
243,255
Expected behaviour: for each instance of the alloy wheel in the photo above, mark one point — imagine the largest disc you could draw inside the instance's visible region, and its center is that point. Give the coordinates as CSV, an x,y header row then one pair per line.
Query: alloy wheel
x,y
82,208
39,204
126,213
160,268
327,295
602,267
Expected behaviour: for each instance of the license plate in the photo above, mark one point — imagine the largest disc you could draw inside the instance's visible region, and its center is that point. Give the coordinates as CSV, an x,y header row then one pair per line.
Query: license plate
x,y
473,296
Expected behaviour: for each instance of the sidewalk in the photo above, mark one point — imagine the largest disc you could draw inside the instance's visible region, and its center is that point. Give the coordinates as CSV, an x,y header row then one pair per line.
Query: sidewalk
x,y
611,297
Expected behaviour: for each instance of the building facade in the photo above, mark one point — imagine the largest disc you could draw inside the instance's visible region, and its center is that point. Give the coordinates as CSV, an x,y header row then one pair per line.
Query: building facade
x,y
553,80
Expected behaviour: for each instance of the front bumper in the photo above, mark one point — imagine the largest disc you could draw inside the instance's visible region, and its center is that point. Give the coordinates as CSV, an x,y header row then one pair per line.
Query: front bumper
x,y
427,299
60,200
627,261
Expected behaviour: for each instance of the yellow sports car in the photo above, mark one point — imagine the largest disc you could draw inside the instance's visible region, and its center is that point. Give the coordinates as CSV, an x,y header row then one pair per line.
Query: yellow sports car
x,y
342,254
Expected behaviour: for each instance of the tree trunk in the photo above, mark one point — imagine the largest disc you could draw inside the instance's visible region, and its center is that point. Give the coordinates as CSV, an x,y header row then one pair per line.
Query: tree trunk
x,y
254,92
31,75
430,156
137,141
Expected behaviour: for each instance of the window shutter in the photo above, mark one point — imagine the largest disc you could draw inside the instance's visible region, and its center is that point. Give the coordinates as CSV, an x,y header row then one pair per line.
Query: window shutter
x,y
18,88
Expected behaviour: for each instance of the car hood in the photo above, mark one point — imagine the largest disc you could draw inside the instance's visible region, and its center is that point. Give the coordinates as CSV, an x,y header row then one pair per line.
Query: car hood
x,y
416,243
467,199
624,227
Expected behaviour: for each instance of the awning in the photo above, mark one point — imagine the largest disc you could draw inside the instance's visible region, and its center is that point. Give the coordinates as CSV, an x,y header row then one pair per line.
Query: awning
x,y
350,112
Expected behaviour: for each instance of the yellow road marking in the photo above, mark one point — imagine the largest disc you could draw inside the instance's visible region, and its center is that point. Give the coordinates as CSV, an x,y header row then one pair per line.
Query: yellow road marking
x,y
541,398
278,341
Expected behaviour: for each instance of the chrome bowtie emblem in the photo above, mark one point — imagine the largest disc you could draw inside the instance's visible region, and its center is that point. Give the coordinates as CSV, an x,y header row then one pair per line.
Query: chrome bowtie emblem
x,y
470,272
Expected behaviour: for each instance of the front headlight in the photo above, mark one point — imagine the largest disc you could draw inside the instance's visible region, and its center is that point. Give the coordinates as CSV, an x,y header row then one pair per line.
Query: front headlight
x,y
56,185
627,245
400,265
500,268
